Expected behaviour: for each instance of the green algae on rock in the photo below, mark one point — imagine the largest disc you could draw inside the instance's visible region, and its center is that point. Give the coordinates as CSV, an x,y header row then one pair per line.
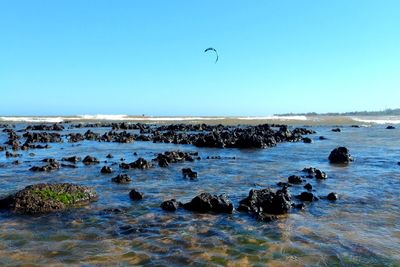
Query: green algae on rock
x,y
44,198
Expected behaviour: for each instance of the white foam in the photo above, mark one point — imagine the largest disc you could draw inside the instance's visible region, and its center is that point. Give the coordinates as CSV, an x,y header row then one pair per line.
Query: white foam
x,y
32,119
102,117
386,120
297,118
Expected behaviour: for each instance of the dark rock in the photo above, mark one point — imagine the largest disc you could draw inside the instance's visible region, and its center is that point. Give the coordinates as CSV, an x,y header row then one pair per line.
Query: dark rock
x,y
106,170
308,187
332,196
12,155
283,184
43,198
68,165
390,127
89,160
355,126
294,179
340,155
187,172
109,156
72,159
307,196
135,195
307,140
336,130
320,174
322,138
140,163
16,162
206,202
170,205
300,206
52,165
122,179
267,201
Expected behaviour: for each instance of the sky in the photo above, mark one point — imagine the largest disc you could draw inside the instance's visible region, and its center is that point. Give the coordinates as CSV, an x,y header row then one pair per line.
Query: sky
x,y
135,57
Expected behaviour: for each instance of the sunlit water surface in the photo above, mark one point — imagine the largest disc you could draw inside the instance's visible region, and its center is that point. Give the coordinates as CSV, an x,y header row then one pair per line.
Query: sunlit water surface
x,y
362,228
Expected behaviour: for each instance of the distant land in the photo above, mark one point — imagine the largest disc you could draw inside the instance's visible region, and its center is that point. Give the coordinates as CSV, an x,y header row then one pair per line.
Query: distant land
x,y
386,112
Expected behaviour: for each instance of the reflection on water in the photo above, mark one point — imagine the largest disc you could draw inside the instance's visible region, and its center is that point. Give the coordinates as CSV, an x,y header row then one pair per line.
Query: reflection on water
x,y
362,228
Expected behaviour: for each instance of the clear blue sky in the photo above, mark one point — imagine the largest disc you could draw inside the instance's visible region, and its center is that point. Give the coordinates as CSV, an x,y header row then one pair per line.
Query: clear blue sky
x,y
146,57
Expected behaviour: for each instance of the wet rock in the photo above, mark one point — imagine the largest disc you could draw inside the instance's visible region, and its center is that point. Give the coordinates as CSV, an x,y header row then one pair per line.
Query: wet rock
x,y
320,174
355,126
294,179
72,159
44,198
336,130
122,179
12,155
390,127
16,162
307,196
52,165
307,140
322,138
135,195
300,206
187,172
68,166
308,186
332,196
109,156
169,157
45,127
267,201
206,202
89,160
340,155
283,184
171,205
140,163
106,170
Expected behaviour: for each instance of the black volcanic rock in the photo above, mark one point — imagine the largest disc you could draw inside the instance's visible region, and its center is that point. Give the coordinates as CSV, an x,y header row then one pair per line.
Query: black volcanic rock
x,y
340,155
106,170
294,179
140,163
135,195
89,160
332,196
187,172
307,196
206,202
122,179
170,205
267,201
72,159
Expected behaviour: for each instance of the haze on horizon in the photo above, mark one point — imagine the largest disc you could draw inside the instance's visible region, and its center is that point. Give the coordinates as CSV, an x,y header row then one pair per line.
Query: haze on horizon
x,y
134,57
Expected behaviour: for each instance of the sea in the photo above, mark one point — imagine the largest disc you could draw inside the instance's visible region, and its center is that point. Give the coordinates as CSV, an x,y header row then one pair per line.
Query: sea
x,y
361,228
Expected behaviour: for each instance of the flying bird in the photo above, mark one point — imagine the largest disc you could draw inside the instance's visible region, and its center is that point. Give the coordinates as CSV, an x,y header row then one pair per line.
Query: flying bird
x,y
212,49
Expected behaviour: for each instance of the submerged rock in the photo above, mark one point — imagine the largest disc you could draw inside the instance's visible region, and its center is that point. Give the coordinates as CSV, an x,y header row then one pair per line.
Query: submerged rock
x,y
88,160
307,196
294,179
122,179
340,155
267,201
206,202
106,170
187,172
72,159
140,163
171,205
390,127
332,196
135,195
44,198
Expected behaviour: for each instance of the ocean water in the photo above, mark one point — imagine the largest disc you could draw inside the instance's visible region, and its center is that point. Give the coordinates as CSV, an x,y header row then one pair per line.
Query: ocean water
x,y
362,228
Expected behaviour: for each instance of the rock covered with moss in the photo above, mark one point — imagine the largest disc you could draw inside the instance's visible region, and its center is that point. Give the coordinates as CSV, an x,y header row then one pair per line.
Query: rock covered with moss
x,y
44,198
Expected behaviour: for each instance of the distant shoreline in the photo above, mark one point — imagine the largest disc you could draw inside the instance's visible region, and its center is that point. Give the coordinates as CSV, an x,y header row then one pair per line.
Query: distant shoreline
x,y
386,112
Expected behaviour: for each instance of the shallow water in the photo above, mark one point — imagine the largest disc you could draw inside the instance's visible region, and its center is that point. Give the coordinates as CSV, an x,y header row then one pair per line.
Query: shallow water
x,y
362,228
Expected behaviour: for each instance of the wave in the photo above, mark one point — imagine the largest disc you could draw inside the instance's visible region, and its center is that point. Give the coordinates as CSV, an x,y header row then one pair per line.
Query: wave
x,y
297,118
33,119
380,120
